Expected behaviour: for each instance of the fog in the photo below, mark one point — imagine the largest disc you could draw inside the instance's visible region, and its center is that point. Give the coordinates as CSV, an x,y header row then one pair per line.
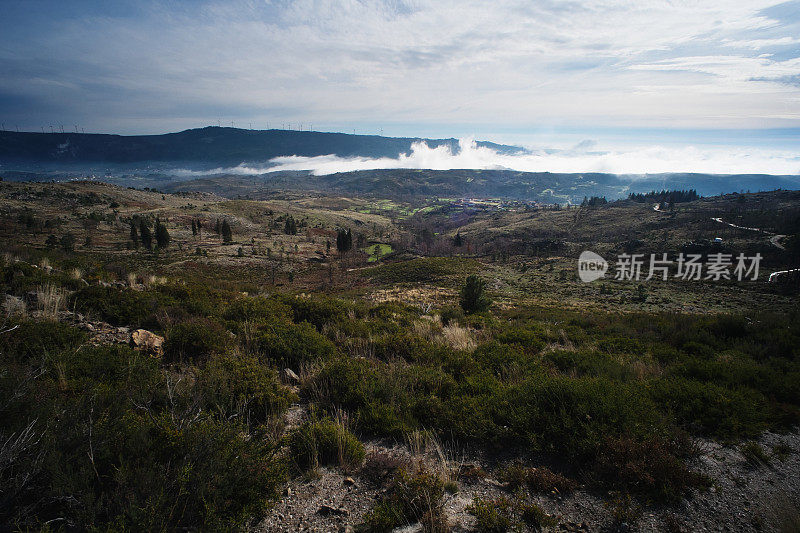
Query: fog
x,y
584,157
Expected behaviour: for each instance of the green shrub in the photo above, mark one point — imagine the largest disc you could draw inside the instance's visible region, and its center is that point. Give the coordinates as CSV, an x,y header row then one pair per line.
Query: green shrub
x,y
324,442
647,467
452,314
422,270
123,453
38,340
712,409
473,297
291,345
540,479
754,454
195,340
120,307
318,310
257,310
238,386
502,514
412,496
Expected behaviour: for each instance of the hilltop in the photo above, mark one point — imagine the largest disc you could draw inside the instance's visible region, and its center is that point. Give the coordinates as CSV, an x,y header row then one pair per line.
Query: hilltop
x,y
208,145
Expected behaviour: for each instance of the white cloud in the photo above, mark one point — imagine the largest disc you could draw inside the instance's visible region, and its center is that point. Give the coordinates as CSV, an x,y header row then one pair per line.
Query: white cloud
x,y
508,62
583,158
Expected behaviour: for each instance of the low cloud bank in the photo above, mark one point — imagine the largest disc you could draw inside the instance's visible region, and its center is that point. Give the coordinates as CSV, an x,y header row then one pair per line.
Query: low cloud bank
x,y
582,158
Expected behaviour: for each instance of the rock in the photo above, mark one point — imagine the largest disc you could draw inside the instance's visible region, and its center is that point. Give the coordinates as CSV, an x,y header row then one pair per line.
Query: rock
x,y
349,481
288,376
327,510
148,341
347,529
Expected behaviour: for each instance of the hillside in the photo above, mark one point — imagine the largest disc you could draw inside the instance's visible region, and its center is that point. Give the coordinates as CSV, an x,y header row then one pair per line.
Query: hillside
x,y
204,145
418,184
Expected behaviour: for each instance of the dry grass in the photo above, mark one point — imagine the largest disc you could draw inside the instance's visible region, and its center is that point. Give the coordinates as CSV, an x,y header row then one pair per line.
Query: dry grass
x,y
50,300
76,273
44,263
428,453
459,338
15,307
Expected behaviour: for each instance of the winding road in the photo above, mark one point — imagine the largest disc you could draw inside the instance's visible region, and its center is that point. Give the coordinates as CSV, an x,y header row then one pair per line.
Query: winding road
x,y
773,240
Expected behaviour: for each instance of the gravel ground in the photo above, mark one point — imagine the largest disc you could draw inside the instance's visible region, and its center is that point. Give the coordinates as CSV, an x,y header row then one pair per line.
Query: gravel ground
x,y
744,497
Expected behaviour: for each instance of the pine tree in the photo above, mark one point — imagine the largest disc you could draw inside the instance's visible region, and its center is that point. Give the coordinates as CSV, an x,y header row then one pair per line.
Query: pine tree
x,y
162,235
194,228
134,235
145,234
457,241
290,227
225,229
473,295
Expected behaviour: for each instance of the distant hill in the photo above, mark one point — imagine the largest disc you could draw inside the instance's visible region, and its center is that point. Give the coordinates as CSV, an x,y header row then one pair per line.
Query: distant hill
x,y
414,184
207,145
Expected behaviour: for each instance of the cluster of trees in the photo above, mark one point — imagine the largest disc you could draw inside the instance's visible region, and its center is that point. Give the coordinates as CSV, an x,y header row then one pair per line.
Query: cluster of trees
x,y
662,196
344,240
197,227
66,242
594,201
290,226
223,228
141,234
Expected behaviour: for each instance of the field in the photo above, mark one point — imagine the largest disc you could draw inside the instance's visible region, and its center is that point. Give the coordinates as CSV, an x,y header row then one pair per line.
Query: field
x,y
318,361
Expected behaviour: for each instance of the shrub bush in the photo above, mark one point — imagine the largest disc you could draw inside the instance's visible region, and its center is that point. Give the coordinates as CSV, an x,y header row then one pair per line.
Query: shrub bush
x,y
324,442
411,497
291,345
195,341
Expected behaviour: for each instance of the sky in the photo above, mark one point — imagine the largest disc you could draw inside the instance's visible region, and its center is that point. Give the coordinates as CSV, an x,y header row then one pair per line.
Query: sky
x,y
613,73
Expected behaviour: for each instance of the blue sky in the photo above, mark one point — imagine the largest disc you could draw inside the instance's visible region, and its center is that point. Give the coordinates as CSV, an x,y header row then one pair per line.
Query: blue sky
x,y
614,71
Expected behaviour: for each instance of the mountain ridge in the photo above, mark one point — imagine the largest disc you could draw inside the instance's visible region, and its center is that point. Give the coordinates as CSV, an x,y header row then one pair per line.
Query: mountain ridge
x,y
210,144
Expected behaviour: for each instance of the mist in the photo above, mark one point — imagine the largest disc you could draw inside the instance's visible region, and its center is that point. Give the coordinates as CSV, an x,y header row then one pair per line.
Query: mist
x,y
645,160
584,157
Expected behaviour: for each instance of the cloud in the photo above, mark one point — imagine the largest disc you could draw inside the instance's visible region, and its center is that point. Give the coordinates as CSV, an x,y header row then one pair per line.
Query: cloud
x,y
582,158
512,63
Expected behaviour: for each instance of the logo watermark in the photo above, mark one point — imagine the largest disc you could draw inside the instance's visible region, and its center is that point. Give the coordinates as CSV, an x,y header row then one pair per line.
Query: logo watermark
x,y
591,266
638,267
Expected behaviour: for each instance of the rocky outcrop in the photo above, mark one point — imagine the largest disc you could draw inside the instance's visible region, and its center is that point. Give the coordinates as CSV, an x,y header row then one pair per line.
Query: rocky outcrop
x,y
148,342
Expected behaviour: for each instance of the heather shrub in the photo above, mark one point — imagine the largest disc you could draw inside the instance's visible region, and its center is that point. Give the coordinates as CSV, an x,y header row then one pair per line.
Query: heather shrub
x,y
195,341
324,442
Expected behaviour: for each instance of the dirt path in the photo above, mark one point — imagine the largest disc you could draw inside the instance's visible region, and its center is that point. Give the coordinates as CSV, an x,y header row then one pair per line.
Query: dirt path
x,y
773,240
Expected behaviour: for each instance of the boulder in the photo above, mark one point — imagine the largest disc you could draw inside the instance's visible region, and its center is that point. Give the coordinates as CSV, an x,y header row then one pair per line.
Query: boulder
x,y
289,377
147,341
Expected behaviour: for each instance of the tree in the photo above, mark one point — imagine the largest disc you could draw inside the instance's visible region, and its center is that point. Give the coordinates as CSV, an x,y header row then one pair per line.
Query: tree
x,y
68,242
227,235
134,234
344,240
51,242
290,227
194,228
473,295
145,234
162,235
458,242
